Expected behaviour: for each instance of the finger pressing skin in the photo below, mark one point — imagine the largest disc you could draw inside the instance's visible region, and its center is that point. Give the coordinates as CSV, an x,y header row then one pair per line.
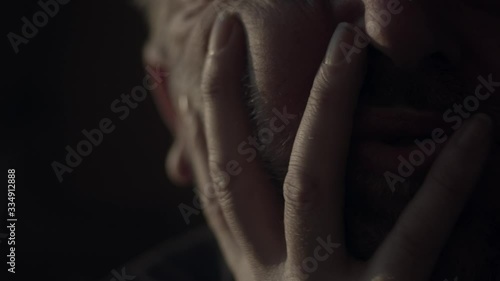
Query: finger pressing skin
x,y
314,185
247,198
414,245
197,149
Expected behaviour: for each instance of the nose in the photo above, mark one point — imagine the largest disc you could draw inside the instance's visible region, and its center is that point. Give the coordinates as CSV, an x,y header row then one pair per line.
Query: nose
x,y
407,31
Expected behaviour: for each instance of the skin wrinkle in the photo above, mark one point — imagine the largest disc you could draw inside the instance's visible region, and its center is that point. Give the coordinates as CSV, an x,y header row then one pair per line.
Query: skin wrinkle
x,y
370,215
371,208
439,95
367,221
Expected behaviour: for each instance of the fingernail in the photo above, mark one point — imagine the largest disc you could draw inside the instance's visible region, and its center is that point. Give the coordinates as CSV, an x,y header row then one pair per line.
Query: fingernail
x,y
337,50
221,32
475,131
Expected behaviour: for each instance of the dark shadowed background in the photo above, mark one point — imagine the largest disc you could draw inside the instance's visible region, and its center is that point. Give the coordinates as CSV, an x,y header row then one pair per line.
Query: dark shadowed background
x,y
118,202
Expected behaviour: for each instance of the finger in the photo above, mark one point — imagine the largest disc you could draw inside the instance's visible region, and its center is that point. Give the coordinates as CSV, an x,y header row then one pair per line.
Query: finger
x,y
314,185
413,246
249,202
196,142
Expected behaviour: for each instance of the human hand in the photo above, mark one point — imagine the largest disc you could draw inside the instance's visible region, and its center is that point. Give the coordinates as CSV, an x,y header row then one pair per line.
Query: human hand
x,y
264,237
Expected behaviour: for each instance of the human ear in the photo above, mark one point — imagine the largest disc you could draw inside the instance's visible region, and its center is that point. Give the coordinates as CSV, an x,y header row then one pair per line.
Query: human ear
x,y
177,165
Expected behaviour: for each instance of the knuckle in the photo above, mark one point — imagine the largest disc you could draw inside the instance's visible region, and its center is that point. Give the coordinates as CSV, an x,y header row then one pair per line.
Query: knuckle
x,y
300,191
212,210
220,181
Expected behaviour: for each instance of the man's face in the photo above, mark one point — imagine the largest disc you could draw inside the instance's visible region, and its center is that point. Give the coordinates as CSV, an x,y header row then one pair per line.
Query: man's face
x,y
424,57
424,63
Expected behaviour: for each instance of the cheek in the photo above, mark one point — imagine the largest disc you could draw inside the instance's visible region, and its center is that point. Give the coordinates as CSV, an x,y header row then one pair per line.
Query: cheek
x,y
284,58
